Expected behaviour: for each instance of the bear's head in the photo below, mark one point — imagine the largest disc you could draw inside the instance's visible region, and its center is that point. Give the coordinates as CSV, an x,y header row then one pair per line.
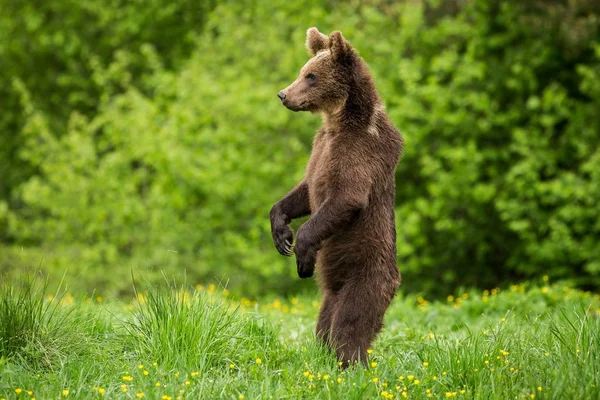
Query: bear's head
x,y
325,80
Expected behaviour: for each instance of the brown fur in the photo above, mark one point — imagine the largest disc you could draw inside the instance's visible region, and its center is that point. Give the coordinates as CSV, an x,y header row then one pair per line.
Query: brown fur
x,y
348,189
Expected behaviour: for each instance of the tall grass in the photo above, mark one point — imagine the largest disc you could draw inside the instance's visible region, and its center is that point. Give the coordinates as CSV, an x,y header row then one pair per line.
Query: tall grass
x,y
24,315
39,329
189,330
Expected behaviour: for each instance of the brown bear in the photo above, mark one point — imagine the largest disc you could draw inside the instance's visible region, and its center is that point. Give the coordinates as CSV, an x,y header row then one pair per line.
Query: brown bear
x,y
348,189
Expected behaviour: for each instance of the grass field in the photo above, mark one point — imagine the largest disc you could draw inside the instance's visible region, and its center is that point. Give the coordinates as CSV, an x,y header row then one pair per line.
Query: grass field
x,y
528,341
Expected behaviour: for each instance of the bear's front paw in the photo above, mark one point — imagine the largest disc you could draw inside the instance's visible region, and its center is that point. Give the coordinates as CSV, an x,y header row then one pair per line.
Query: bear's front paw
x,y
306,256
282,238
306,268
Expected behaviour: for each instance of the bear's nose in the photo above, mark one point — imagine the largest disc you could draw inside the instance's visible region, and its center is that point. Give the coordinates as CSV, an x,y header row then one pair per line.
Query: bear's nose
x,y
281,95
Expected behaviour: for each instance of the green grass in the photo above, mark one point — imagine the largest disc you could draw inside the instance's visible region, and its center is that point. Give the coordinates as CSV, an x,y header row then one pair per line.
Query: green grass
x,y
528,341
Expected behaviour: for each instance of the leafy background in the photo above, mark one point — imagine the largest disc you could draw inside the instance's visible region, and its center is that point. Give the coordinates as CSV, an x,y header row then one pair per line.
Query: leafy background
x,y
145,137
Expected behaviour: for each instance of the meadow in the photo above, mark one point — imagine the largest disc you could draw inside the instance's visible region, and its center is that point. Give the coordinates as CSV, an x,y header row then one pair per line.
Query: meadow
x,y
522,342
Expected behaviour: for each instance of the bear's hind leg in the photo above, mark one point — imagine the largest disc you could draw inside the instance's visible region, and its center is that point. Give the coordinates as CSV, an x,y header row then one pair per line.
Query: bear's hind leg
x,y
357,319
325,316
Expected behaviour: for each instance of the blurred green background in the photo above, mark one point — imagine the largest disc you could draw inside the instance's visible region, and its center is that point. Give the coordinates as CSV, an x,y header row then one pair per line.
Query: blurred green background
x,y
146,137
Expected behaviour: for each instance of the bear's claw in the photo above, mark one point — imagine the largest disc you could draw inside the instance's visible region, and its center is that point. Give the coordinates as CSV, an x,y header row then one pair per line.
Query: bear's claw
x,y
282,238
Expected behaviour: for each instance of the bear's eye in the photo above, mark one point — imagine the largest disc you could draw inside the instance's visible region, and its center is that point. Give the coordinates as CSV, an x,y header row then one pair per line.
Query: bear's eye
x,y
310,75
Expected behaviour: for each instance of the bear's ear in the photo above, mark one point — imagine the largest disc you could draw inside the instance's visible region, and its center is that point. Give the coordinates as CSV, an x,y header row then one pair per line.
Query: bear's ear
x,y
340,47
315,41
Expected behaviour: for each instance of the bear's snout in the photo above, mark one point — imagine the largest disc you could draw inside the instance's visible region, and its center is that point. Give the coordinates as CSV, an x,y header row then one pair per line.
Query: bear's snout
x,y
281,95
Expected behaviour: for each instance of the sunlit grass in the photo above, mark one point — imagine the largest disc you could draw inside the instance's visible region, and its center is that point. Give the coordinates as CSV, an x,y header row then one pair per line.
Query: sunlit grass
x,y
528,341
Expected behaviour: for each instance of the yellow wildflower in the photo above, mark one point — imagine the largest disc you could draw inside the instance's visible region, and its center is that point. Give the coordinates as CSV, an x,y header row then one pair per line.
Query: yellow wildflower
x,y
425,364
157,384
145,372
373,364
101,390
375,379
339,380
18,390
416,382
258,361
539,388
325,377
241,397
128,378
140,395
124,388
188,383
65,392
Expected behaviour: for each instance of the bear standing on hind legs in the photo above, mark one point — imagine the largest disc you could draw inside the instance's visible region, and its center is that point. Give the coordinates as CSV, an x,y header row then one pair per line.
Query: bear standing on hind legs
x,y
348,189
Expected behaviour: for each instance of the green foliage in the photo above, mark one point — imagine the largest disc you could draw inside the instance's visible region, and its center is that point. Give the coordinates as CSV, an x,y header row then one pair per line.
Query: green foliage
x,y
69,55
540,340
501,169
165,152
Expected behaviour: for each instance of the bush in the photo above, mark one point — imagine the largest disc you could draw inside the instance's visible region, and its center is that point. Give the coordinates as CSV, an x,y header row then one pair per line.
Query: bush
x,y
67,56
501,167
176,169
